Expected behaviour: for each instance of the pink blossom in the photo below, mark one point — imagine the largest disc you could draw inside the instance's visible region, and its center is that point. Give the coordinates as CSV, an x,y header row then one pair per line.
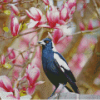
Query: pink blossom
x,y
63,43
5,84
82,27
5,1
67,10
37,23
37,59
71,3
32,73
26,39
57,34
34,14
15,73
77,62
22,18
52,17
15,9
84,5
0,6
46,2
85,44
14,26
64,12
3,59
12,54
90,25
15,95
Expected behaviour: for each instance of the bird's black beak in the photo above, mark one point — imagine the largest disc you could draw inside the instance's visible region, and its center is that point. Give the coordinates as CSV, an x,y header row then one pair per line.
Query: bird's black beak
x,y
42,42
39,42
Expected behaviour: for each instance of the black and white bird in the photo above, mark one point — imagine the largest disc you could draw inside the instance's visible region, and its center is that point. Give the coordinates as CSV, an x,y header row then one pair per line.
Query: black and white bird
x,y
56,67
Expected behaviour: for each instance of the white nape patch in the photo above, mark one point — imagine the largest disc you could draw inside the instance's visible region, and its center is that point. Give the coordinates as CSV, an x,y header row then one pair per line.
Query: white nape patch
x,y
54,49
61,62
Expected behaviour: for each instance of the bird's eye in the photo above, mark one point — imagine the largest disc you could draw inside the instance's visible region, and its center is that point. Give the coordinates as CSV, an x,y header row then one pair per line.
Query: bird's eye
x,y
46,41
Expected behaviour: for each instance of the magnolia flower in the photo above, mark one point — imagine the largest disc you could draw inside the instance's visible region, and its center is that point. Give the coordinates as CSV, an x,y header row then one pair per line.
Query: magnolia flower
x,y
3,59
52,17
37,59
71,3
15,9
34,14
82,27
5,84
22,18
86,44
12,54
16,96
67,10
46,2
5,1
76,63
36,17
0,6
64,12
32,73
90,26
14,26
63,43
57,34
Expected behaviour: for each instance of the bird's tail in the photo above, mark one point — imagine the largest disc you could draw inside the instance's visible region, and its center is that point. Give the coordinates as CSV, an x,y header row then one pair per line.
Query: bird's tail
x,y
72,87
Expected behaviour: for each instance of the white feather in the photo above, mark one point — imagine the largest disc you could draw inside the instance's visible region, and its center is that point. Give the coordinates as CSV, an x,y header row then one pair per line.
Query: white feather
x,y
54,49
61,62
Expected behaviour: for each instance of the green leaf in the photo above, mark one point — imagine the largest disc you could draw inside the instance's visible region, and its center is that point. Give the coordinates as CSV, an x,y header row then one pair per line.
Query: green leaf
x,y
7,12
7,65
22,93
6,29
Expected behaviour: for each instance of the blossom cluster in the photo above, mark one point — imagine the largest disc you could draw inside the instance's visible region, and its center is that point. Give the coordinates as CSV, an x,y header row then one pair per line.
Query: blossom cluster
x,y
27,56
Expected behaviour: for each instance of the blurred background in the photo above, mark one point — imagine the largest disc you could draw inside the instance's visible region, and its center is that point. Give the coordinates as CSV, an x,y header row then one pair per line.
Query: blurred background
x,y
77,38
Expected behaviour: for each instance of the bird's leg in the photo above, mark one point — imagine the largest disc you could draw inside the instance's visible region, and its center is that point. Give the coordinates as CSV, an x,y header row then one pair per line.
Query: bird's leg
x,y
53,92
61,90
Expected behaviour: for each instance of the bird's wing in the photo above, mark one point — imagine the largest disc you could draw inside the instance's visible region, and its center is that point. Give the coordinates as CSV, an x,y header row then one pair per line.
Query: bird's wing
x,y
62,65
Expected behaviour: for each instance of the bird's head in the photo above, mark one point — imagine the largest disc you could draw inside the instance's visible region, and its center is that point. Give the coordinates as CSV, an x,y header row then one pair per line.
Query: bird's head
x,y
47,43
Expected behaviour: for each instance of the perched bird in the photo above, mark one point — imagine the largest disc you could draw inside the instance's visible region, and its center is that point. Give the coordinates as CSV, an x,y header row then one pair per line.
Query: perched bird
x,y
56,67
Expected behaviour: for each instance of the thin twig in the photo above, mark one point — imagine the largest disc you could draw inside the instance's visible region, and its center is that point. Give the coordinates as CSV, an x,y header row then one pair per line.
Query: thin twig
x,y
97,10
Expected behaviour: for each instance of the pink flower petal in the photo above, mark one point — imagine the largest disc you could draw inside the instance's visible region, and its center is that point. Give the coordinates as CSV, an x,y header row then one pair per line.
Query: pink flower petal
x,y
82,27
40,82
71,3
46,2
22,18
32,73
57,35
29,14
52,17
30,90
64,13
14,26
3,59
16,93
5,83
36,13
11,53
15,9
90,26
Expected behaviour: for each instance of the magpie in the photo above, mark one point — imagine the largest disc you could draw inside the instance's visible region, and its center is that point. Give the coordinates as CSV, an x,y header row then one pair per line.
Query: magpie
x,y
56,67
